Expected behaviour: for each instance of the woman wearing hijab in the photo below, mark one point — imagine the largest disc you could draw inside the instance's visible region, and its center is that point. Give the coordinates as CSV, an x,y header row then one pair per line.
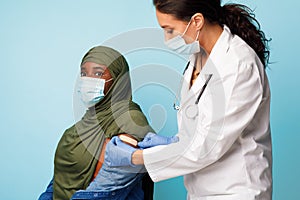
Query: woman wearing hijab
x,y
105,89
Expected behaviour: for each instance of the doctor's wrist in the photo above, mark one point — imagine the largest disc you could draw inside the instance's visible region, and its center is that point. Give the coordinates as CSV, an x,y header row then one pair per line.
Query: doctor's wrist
x,y
137,157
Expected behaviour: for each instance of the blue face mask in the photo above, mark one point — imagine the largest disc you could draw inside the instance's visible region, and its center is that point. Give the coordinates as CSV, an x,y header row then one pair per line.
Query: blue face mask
x,y
179,45
91,90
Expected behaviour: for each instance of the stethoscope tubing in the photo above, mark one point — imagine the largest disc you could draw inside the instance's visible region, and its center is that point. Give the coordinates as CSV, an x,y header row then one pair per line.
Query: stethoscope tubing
x,y
177,107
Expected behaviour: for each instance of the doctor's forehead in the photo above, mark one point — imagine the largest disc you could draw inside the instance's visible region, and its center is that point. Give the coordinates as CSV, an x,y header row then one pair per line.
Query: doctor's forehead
x,y
93,66
166,20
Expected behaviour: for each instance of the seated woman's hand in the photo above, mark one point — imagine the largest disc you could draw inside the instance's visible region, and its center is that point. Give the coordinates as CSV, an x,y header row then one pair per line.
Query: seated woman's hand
x,y
152,139
118,153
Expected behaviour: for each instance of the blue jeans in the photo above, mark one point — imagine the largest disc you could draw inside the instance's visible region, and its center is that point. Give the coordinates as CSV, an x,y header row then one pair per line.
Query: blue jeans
x,y
48,194
132,192
111,183
120,183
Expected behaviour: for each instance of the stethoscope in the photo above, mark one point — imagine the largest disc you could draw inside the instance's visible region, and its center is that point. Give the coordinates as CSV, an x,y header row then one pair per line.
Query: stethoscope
x,y
191,110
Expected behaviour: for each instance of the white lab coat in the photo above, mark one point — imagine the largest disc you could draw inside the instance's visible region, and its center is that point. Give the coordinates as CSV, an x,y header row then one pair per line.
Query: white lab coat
x,y
224,152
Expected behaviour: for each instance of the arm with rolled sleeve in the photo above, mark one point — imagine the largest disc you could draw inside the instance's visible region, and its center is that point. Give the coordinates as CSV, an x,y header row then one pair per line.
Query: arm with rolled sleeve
x,y
214,133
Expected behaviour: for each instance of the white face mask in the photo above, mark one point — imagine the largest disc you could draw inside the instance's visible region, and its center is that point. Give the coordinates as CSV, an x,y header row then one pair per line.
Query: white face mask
x,y
178,44
91,90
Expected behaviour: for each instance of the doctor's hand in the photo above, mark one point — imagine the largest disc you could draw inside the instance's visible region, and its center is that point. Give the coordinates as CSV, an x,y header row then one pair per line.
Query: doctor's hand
x,y
153,139
118,153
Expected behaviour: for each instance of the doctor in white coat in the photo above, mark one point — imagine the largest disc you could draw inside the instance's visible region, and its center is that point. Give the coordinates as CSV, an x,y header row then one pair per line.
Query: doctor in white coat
x,y
224,149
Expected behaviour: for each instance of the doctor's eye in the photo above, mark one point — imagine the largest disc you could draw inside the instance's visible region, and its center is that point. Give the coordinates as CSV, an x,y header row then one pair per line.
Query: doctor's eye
x,y
169,31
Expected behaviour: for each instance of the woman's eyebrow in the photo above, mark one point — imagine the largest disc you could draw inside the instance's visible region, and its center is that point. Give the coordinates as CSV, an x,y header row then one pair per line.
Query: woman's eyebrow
x,y
99,67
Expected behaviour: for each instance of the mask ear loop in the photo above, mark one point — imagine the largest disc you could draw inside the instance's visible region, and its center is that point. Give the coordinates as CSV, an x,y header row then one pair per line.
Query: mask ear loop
x,y
197,37
109,80
186,28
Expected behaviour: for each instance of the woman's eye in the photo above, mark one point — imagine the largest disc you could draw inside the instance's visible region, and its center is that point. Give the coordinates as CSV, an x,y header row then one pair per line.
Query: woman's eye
x,y
82,74
99,74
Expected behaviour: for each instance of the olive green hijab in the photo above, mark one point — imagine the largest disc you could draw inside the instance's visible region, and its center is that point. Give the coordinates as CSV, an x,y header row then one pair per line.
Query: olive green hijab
x,y
79,148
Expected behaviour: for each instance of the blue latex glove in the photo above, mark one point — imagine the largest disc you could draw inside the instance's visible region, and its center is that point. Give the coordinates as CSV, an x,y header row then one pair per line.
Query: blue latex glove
x,y
118,153
153,139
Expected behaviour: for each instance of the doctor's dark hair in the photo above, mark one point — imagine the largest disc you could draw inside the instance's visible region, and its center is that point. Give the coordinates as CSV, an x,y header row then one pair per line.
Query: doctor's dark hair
x,y
239,18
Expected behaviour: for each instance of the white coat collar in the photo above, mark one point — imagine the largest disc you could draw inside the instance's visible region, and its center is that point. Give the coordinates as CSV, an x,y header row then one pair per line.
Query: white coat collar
x,y
213,66
221,47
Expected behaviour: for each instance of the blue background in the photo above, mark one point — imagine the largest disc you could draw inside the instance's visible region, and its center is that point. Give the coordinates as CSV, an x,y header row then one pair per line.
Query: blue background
x,y
41,45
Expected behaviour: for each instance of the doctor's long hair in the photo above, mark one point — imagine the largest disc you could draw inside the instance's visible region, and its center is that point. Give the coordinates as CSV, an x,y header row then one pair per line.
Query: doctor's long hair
x,y
239,18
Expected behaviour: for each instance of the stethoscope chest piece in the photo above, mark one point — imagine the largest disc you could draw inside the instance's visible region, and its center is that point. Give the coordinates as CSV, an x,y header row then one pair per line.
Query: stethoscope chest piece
x,y
191,111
